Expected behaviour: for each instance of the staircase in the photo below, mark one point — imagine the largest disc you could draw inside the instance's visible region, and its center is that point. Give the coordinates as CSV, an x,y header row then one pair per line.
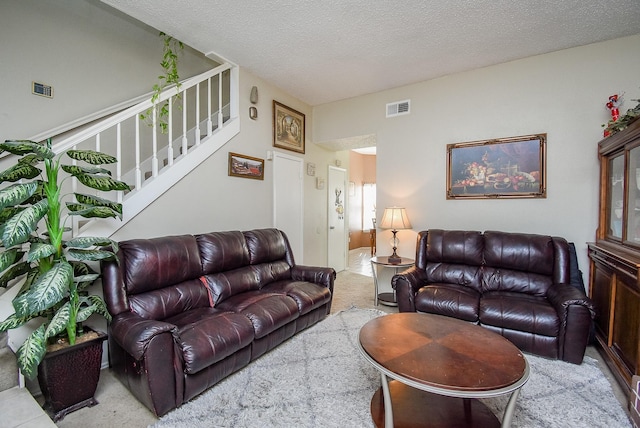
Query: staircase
x,y
202,117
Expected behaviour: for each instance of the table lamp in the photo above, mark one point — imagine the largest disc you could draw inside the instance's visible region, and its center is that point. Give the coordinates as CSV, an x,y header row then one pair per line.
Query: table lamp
x,y
395,218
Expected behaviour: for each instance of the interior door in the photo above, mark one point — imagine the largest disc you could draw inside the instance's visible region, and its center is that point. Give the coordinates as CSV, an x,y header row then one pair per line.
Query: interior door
x,y
288,200
337,236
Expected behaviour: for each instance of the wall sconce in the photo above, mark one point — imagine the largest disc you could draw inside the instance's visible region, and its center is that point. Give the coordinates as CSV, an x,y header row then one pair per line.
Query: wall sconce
x,y
253,112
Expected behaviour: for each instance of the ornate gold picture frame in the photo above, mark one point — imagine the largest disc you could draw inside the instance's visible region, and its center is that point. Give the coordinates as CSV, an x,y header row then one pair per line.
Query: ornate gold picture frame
x,y
513,167
288,128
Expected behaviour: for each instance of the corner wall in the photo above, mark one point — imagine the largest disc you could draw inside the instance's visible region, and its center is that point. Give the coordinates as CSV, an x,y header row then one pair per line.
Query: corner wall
x,y
562,94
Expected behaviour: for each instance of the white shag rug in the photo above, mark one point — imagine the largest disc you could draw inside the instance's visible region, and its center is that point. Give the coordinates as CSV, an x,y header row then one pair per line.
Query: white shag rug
x,y
319,379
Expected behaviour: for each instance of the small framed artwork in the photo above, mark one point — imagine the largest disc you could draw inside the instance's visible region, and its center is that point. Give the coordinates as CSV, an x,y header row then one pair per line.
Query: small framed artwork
x,y
288,128
246,166
513,167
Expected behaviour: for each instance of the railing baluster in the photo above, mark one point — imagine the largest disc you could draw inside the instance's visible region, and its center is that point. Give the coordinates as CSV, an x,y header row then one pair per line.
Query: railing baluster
x,y
197,128
220,116
154,145
209,122
138,171
185,143
170,134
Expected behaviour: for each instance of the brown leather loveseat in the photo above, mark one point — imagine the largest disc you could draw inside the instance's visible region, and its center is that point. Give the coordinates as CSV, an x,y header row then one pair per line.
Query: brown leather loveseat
x,y
190,310
518,285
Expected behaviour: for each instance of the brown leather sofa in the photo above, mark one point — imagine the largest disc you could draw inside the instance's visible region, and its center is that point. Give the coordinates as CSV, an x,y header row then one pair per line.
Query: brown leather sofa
x,y
190,310
518,285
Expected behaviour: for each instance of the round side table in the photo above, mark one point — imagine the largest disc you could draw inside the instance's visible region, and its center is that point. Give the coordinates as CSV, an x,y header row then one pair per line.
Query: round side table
x,y
388,299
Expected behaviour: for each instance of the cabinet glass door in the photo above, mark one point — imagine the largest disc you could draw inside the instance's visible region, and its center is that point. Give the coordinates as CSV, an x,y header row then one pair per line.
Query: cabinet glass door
x,y
633,196
616,196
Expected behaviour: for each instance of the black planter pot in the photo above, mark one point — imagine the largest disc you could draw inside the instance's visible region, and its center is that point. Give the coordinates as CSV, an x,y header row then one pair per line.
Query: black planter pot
x,y
69,377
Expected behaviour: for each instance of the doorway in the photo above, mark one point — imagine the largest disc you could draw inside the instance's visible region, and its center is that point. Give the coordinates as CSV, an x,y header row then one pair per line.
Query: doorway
x,y
337,210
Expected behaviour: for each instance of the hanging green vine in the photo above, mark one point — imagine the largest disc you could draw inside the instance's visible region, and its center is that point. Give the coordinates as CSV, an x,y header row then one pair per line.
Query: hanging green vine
x,y
170,77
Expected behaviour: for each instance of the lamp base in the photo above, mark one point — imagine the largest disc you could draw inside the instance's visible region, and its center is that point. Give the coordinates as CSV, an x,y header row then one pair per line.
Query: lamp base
x,y
394,259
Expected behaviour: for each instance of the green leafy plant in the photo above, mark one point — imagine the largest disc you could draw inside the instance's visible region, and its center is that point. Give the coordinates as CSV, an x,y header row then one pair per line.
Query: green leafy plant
x,y
55,272
170,77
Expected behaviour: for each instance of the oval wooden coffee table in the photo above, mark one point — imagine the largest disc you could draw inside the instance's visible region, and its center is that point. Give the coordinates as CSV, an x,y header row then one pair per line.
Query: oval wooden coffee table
x,y
434,369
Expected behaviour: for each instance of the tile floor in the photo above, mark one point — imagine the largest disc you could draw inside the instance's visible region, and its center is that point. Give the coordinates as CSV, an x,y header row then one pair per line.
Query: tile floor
x,y
20,410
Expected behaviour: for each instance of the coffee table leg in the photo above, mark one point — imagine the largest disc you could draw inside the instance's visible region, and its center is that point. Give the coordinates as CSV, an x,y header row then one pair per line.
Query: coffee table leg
x,y
386,394
511,407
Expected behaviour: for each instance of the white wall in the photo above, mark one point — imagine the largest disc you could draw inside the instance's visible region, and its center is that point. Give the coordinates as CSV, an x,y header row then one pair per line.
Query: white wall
x,y
91,54
562,94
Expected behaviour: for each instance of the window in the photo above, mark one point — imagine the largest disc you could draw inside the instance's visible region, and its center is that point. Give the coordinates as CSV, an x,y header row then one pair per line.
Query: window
x,y
368,206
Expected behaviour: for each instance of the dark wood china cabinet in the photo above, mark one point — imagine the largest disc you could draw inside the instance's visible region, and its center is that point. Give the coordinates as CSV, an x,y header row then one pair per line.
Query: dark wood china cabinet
x,y
614,280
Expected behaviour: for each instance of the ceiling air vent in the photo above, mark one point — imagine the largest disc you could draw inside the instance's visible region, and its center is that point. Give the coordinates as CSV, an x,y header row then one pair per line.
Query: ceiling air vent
x,y
398,108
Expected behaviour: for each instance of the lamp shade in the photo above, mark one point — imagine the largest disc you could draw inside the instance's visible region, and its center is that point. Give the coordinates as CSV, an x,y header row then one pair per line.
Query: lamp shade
x,y
395,218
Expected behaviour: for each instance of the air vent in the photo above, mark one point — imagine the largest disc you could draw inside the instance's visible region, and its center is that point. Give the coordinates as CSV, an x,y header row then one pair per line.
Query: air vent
x,y
398,108
42,89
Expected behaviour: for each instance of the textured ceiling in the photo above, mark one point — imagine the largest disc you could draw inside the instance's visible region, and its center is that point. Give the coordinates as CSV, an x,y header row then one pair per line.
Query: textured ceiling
x,y
323,51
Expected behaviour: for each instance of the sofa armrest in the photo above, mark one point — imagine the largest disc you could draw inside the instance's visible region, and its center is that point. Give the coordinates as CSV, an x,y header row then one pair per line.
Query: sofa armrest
x,y
561,296
134,333
318,275
407,283
576,312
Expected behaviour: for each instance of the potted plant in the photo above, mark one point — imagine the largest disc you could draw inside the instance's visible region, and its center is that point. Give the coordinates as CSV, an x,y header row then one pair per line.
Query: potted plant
x,y
55,268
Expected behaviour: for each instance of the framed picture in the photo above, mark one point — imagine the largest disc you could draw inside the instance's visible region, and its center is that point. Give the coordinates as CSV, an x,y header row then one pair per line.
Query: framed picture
x,y
512,167
288,128
246,166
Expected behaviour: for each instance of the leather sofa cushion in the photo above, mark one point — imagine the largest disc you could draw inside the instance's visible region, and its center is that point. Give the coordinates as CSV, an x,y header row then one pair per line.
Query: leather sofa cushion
x,y
208,335
449,273
276,270
224,285
151,264
495,279
518,311
450,300
222,251
169,301
519,251
266,245
308,296
455,246
267,311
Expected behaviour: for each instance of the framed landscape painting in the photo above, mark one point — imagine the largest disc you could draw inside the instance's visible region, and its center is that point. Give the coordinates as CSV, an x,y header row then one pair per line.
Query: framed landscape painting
x,y
513,167
246,166
288,128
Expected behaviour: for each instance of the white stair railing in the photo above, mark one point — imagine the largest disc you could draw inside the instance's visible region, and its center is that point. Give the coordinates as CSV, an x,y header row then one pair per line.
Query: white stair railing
x,y
150,161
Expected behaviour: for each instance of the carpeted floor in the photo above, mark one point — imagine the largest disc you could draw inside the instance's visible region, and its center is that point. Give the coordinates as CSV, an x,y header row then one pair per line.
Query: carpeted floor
x,y
319,379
